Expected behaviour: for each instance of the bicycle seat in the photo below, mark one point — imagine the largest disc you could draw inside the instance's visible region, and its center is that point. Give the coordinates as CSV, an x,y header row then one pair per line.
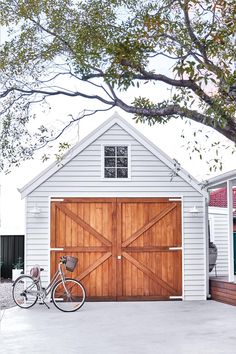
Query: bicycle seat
x,y
35,272
41,269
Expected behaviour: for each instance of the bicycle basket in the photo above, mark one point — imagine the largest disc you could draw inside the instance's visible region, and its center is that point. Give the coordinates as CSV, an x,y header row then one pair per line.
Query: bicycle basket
x,y
35,272
71,263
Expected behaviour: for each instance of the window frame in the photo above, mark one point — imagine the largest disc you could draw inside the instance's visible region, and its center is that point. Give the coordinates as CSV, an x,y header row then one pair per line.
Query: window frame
x,y
103,162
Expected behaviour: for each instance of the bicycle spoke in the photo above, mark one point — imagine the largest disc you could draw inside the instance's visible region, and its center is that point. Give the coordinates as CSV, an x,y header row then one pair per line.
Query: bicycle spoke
x,y
25,292
68,296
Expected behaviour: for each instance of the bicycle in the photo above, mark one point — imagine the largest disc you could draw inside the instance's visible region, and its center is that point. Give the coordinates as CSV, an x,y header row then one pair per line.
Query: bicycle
x,y
67,294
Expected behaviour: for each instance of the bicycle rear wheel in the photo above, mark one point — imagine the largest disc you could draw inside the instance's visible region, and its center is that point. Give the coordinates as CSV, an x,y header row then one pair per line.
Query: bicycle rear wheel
x,y
25,292
68,296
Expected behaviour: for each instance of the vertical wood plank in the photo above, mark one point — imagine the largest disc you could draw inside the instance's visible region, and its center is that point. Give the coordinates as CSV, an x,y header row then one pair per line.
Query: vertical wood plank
x,y
147,218
53,225
92,241
86,243
68,229
106,232
113,221
130,226
98,227
60,239
140,254
120,263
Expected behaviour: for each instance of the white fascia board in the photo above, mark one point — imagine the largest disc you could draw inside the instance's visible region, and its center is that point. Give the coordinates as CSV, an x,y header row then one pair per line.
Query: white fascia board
x,y
221,180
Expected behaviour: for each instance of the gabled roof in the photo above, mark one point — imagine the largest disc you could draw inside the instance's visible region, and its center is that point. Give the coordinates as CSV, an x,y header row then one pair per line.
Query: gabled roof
x,y
78,148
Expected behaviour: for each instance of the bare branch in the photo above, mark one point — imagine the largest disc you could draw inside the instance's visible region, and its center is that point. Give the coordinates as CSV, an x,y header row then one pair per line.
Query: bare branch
x,y
55,93
81,115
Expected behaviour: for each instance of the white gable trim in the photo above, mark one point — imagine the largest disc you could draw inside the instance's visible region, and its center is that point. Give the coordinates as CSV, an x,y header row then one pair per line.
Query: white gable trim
x,y
94,135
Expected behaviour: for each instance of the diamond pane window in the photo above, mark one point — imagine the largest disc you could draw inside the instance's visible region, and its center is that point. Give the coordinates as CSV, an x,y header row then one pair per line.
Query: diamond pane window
x,y
116,161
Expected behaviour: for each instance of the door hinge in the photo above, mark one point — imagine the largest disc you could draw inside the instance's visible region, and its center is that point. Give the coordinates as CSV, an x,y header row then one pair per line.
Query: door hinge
x,y
57,249
175,248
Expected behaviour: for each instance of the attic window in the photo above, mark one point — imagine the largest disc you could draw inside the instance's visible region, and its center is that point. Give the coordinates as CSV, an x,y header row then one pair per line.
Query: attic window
x,y
116,161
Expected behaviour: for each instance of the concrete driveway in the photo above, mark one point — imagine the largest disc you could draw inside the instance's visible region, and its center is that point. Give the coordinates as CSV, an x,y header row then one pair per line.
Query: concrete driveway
x,y
199,327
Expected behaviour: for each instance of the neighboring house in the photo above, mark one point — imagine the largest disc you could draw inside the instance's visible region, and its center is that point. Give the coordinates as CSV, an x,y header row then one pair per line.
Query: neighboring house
x,y
223,287
218,217
218,198
135,219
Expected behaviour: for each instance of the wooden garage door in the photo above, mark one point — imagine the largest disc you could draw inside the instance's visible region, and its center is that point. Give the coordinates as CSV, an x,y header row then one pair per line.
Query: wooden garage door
x,y
127,248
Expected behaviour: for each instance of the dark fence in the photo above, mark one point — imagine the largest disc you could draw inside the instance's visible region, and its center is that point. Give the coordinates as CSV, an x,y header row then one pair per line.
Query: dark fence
x,y
12,247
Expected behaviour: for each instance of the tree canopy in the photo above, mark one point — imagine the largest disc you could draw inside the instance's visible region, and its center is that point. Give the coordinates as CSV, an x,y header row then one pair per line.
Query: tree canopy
x,y
112,46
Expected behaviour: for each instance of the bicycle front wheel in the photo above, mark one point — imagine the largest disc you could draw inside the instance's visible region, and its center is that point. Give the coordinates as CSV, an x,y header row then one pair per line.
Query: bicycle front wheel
x,y
25,292
68,295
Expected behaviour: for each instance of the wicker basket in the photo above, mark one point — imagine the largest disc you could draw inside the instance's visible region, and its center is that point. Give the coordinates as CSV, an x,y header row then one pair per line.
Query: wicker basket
x,y
71,263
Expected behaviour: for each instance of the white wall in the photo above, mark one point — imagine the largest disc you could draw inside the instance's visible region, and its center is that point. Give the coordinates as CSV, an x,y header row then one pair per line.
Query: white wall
x,y
218,219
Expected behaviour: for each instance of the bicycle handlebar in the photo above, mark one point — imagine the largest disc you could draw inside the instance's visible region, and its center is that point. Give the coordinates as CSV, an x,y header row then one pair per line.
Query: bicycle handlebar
x,y
63,259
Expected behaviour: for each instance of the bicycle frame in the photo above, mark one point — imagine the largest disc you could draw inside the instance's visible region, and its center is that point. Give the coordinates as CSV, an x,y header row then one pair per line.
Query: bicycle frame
x,y
44,292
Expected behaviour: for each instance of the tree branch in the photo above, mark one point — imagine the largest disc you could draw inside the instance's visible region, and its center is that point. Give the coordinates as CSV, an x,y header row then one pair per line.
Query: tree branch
x,y
201,47
175,110
53,34
81,115
55,93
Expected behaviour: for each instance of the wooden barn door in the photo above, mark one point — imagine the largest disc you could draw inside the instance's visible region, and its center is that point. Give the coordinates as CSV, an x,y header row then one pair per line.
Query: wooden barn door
x,y
149,241
127,248
85,228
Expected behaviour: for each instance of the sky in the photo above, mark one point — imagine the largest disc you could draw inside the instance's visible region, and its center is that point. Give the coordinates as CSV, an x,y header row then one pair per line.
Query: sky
x,y
166,137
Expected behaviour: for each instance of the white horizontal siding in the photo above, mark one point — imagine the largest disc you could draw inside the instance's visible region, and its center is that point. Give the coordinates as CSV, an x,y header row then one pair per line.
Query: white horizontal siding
x,y
150,177
219,235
